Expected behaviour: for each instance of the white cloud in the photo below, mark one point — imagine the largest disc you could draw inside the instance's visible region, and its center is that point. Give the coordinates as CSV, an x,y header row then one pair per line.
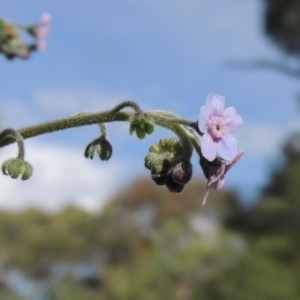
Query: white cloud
x,y
61,177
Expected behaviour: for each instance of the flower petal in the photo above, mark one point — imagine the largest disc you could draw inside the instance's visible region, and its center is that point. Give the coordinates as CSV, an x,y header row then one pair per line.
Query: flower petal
x,y
208,147
229,164
227,147
42,31
232,119
203,119
230,112
215,104
215,173
205,196
218,184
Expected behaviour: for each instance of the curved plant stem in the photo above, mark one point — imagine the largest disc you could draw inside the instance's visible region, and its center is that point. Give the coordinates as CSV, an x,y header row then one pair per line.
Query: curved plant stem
x,y
65,123
161,118
124,104
102,129
171,117
180,131
17,137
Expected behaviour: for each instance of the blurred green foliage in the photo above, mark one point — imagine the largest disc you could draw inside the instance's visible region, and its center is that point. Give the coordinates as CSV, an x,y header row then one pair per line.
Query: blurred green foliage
x,y
148,243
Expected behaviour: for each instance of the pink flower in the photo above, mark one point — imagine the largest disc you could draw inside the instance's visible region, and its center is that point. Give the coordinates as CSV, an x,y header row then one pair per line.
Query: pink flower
x,y
42,30
217,124
215,172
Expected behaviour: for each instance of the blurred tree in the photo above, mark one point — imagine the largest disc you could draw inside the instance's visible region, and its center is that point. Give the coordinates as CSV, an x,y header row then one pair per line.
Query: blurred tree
x,y
282,24
273,224
150,244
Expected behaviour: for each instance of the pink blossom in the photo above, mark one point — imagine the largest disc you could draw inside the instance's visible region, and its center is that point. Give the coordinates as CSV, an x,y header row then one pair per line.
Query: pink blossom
x,y
215,172
42,30
217,124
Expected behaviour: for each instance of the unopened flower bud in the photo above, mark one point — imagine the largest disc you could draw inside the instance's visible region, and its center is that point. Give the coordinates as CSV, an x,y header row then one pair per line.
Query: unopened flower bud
x,y
102,146
173,186
149,128
16,167
159,177
140,133
141,124
182,172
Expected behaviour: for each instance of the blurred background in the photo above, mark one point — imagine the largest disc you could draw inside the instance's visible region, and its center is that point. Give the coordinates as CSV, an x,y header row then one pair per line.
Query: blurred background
x,y
81,229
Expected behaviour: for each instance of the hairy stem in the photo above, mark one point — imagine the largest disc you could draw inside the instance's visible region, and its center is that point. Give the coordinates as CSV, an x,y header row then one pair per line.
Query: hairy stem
x,y
65,123
169,116
17,137
161,118
102,129
124,104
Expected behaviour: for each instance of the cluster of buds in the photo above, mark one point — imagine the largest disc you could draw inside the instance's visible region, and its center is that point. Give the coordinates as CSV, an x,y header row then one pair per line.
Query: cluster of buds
x,y
12,43
169,165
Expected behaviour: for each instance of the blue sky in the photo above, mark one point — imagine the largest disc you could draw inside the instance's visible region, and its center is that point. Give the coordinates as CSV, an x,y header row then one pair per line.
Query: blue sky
x,y
163,54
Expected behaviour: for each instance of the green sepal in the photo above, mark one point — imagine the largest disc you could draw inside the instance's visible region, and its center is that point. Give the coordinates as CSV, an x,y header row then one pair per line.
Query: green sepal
x,y
149,128
102,146
105,152
140,133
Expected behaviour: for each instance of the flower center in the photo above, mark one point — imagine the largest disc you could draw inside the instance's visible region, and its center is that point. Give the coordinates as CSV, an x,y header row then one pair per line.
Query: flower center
x,y
217,127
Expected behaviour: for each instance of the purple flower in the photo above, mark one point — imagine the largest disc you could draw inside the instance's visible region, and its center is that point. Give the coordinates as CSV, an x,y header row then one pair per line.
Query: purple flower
x,y
217,124
42,30
215,172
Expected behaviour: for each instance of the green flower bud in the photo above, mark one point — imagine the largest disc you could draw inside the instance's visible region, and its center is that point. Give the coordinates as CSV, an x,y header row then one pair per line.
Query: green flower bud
x,y
165,153
149,128
102,146
158,161
16,167
159,172
141,124
140,133
154,148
